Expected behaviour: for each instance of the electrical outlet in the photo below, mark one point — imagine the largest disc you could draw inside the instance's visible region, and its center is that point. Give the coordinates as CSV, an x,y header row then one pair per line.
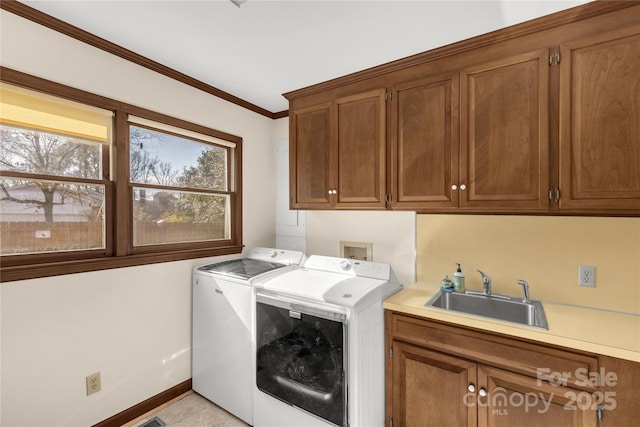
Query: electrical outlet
x,y
587,276
93,383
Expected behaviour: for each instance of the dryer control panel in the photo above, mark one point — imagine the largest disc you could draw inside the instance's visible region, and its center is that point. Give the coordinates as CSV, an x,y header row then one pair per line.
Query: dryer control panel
x,y
351,267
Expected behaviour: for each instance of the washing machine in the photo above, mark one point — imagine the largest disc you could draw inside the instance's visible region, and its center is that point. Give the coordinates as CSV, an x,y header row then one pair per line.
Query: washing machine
x,y
222,367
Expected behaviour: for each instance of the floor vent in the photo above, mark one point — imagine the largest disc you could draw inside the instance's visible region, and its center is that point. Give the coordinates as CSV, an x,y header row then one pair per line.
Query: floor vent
x,y
153,422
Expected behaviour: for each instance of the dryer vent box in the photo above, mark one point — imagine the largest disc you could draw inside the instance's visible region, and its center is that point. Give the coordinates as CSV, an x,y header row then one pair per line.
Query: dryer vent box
x,y
356,250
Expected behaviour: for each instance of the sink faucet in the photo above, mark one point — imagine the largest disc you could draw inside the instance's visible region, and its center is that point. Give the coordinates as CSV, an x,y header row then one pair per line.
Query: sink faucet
x,y
486,283
525,289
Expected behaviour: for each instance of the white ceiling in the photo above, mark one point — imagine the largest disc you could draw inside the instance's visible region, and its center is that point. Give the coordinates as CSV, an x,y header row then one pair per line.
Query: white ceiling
x,y
266,48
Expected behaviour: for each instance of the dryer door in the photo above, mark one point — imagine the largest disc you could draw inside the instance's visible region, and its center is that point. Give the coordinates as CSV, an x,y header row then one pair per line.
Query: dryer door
x,y
301,356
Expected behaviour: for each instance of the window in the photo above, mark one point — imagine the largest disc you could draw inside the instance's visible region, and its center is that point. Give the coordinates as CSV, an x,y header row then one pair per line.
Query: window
x,y
52,192
88,183
180,185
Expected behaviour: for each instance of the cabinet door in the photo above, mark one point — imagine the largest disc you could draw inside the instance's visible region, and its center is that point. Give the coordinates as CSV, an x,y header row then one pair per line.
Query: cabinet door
x,y
600,122
429,388
619,381
424,132
514,400
504,152
309,153
361,137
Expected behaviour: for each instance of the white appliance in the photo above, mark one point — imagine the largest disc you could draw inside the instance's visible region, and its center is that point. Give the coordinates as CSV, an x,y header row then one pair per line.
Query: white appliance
x,y
319,344
222,366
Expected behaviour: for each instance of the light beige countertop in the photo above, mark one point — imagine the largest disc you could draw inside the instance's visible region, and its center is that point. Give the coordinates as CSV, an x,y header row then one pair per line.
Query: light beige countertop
x,y
581,328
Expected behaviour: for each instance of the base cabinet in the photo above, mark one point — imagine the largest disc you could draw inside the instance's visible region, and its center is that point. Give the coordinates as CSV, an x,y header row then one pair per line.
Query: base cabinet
x,y
443,375
429,388
512,400
435,389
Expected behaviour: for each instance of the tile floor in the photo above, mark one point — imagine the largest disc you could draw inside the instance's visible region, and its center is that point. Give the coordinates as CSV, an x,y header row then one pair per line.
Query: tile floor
x,y
190,410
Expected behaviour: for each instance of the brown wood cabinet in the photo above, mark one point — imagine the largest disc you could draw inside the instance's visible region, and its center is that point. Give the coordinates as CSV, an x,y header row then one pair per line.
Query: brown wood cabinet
x,y
441,374
429,388
425,142
504,161
476,138
338,153
540,118
513,400
600,121
310,156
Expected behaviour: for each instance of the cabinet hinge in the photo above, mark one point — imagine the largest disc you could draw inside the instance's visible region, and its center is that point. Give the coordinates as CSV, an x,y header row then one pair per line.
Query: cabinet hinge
x,y
387,96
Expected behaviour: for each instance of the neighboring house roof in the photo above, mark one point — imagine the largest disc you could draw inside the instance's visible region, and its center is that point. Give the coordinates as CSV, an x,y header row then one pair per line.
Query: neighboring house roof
x,y
75,207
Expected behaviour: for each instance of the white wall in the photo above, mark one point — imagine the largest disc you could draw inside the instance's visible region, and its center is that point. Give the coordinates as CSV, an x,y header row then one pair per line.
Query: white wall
x,y
391,233
131,324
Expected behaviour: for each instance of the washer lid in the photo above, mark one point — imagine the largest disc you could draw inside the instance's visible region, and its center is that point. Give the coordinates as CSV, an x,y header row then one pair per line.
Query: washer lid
x,y
244,268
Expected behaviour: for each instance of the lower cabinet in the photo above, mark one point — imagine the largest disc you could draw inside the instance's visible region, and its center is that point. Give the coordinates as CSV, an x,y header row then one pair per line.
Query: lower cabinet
x,y
434,389
443,375
508,399
430,388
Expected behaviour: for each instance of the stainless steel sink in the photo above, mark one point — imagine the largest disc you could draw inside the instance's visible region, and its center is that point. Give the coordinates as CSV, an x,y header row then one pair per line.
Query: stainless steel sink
x,y
509,309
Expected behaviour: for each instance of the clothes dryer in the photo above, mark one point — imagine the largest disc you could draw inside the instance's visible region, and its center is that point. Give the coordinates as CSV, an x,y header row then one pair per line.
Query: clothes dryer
x,y
319,344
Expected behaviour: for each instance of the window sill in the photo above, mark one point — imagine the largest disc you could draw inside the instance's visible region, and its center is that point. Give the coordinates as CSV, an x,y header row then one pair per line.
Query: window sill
x,y
34,271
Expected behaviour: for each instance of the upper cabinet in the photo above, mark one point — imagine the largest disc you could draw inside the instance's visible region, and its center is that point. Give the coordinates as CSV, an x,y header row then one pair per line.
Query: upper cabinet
x,y
360,177
541,118
338,153
504,161
600,122
310,155
424,142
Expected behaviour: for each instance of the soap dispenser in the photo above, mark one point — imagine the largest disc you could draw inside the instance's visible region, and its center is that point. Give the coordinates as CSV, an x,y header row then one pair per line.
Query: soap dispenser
x,y
458,279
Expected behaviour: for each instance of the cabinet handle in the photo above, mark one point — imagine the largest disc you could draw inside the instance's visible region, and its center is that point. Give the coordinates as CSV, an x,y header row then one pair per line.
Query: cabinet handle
x,y
471,388
454,187
463,187
482,392
332,191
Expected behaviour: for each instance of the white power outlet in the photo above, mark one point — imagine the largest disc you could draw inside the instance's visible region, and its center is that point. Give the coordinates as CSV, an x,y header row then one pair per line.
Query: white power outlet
x,y
587,276
93,383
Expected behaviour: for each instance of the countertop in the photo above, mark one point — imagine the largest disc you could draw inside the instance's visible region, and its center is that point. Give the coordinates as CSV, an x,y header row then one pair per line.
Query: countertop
x,y
582,328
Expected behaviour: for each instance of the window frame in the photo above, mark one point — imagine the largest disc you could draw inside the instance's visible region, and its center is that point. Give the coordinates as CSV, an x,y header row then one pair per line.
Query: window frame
x,y
119,250
230,179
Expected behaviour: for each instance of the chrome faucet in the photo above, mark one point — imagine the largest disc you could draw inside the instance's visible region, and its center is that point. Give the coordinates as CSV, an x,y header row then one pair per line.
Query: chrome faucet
x,y
525,290
486,283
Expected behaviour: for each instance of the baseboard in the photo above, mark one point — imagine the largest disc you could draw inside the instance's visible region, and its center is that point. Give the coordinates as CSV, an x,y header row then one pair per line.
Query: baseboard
x,y
145,406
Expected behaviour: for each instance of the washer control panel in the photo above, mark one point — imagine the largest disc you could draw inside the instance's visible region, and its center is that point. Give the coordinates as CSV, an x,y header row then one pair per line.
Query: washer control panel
x,y
282,256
